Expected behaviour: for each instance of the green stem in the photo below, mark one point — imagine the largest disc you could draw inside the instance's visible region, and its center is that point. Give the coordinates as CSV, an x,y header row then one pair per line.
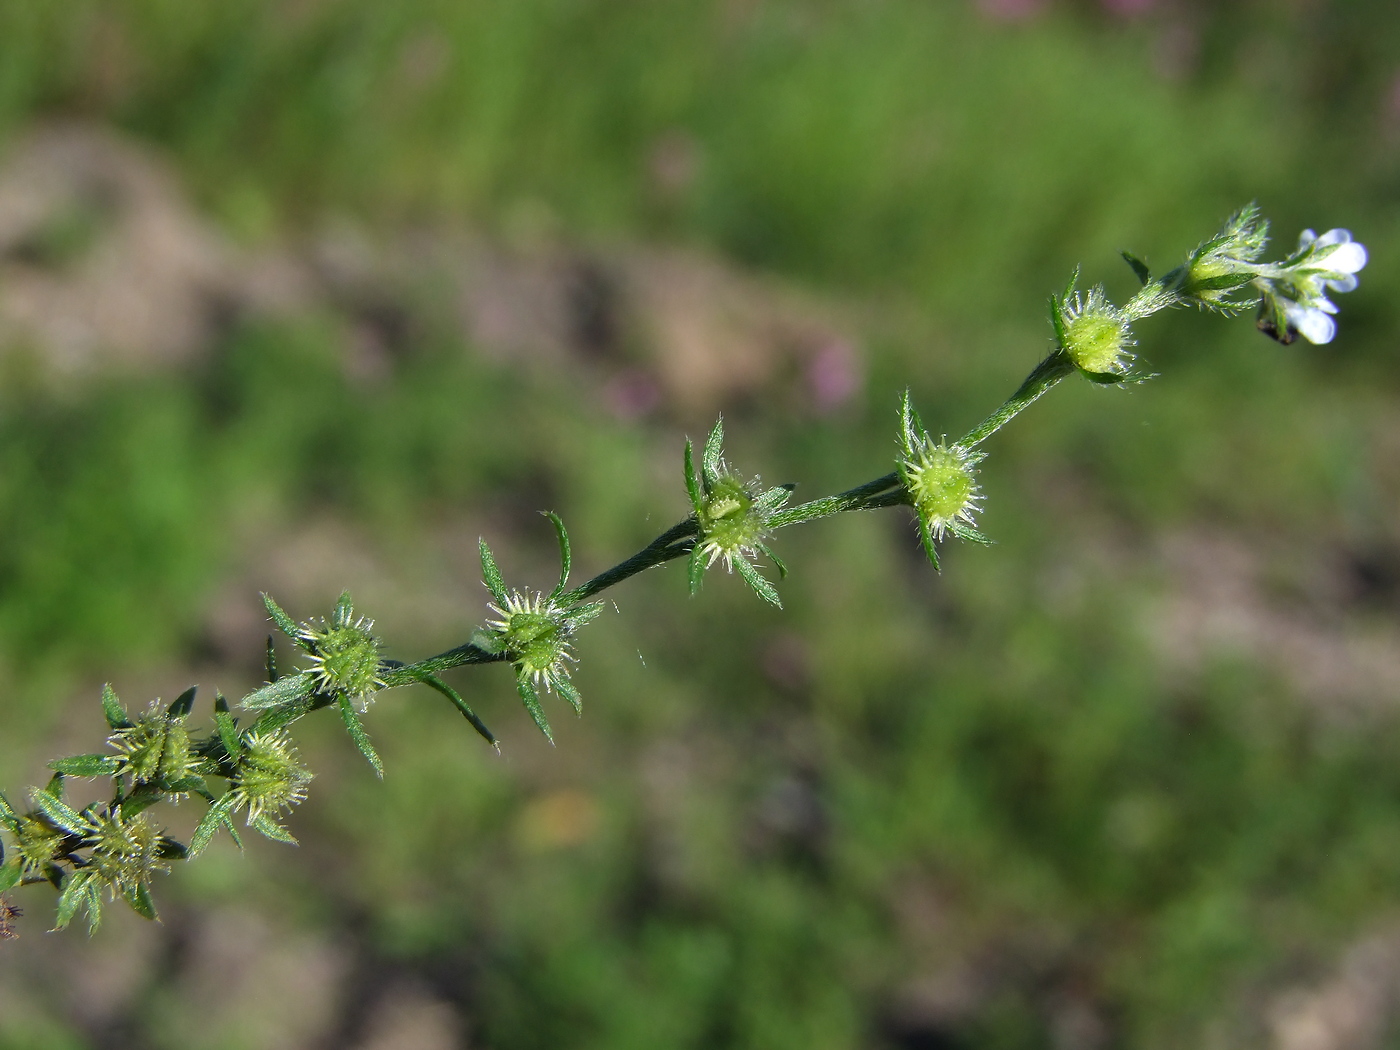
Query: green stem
x,y
858,498
1042,378
674,542
408,674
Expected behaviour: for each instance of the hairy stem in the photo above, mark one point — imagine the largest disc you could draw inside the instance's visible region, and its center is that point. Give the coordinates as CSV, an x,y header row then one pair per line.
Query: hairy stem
x,y
1042,378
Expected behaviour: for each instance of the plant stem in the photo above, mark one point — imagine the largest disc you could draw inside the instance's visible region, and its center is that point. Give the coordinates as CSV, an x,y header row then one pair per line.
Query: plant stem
x,y
1042,378
858,498
672,543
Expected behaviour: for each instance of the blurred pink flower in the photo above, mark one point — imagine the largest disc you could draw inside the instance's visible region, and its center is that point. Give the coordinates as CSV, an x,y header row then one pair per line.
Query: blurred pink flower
x,y
833,375
631,394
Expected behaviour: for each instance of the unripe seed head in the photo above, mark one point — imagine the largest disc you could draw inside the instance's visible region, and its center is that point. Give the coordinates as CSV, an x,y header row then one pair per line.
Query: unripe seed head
x,y
942,485
730,524
269,777
156,747
344,655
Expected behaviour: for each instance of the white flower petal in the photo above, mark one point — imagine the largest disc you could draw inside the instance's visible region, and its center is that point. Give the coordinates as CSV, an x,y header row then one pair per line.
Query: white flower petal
x,y
1347,257
1347,283
1313,325
1306,238
1337,236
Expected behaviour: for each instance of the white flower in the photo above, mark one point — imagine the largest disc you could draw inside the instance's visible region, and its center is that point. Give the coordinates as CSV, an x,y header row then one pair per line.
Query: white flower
x,y
1321,264
1335,260
1313,323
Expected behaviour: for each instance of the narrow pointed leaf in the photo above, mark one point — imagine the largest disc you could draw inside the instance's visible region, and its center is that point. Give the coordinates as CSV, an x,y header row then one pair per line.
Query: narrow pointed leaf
x,y
271,661
208,825
112,708
754,579
275,718
8,817
228,728
274,694
59,812
926,535
696,569
1139,267
566,559
909,438
712,462
1073,281
692,486
232,829
461,705
491,574
195,785
1057,321
570,693
172,849
86,766
74,892
273,830
967,532
92,901
183,704
141,902
144,797
344,608
284,622
773,498
356,729
777,562
10,875
531,699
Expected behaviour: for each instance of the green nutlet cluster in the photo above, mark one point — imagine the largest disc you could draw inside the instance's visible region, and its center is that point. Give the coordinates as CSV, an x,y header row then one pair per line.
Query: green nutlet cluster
x,y
125,853
269,777
344,654
940,482
155,748
534,631
1093,333
732,518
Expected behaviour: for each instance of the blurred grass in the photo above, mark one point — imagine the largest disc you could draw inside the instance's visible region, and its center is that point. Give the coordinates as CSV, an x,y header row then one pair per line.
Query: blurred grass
x,y
994,773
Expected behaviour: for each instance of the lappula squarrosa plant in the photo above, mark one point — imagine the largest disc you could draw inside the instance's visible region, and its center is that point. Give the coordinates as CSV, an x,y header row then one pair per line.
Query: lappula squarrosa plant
x,y
247,766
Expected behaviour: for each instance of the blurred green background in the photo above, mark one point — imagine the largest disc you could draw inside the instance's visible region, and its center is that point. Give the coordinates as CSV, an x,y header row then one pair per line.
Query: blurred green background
x,y
303,295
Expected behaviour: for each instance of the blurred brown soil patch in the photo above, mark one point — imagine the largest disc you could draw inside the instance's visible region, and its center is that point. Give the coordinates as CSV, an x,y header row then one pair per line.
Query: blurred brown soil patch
x,y
104,263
